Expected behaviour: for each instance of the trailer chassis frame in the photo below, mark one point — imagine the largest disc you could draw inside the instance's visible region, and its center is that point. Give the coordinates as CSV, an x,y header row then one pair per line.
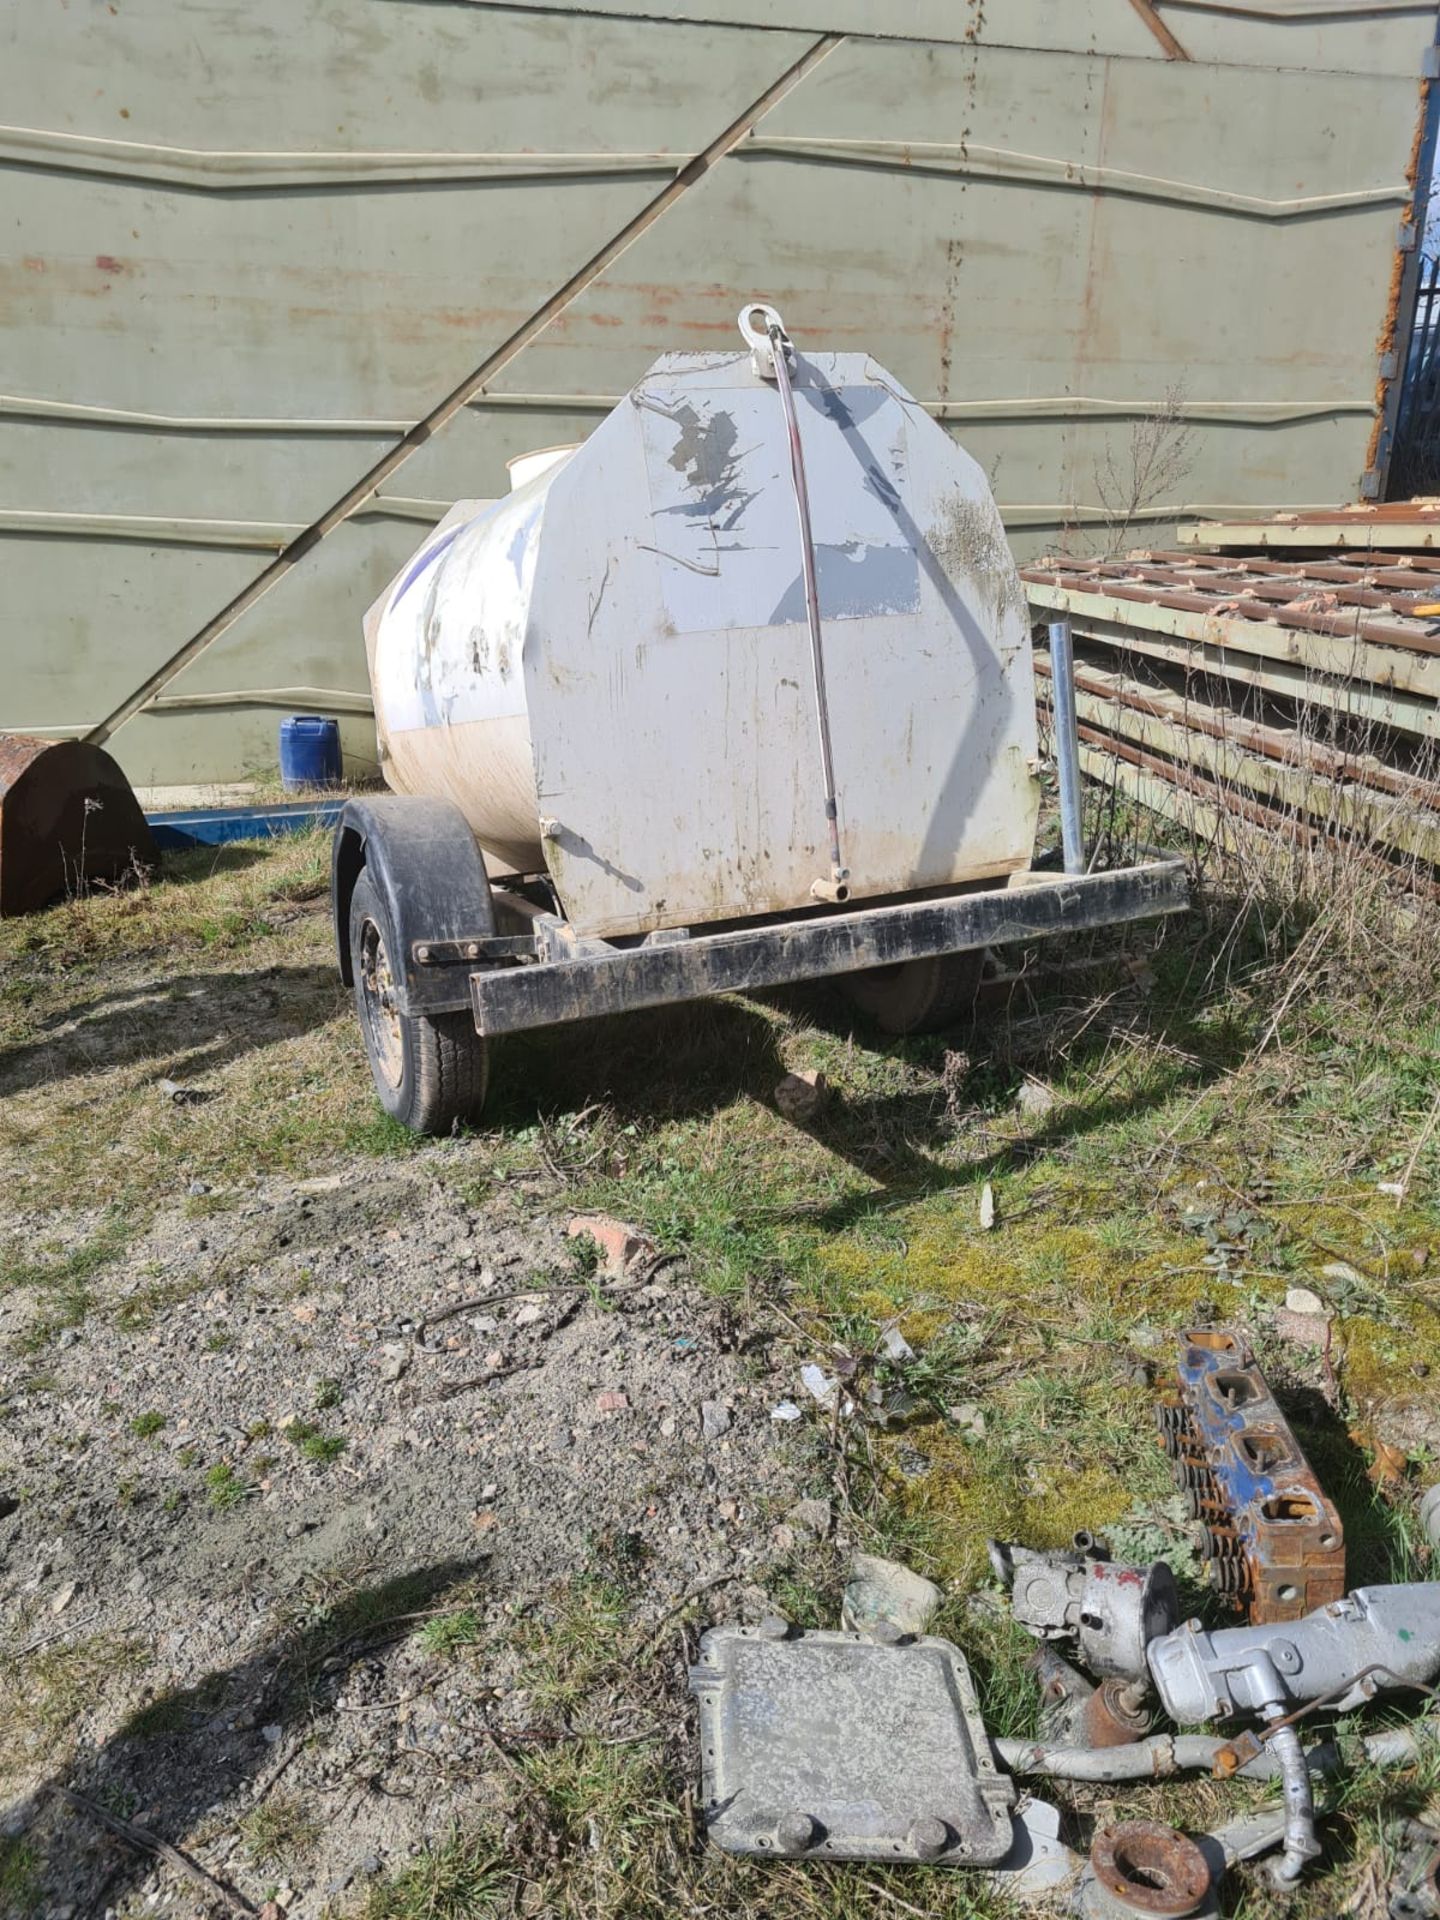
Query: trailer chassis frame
x,y
548,975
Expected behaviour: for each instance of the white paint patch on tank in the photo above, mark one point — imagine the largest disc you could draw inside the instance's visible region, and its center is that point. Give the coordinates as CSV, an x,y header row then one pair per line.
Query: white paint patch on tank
x,y
704,484
526,467
447,671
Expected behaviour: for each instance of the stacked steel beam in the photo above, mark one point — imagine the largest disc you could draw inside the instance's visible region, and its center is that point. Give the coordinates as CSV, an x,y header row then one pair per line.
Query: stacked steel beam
x,y
1299,693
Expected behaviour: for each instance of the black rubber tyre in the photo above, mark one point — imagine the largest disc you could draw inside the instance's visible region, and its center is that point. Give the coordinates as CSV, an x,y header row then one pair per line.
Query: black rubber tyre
x,y
430,1072
918,996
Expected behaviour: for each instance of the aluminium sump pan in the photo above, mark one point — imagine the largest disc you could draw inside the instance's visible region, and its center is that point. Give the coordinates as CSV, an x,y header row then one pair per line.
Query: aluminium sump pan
x,y
835,1745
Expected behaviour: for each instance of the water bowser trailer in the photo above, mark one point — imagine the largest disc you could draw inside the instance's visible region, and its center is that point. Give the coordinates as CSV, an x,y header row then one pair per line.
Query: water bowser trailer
x,y
738,692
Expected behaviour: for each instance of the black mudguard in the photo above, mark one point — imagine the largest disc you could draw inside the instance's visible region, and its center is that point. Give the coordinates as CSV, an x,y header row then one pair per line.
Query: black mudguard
x,y
425,864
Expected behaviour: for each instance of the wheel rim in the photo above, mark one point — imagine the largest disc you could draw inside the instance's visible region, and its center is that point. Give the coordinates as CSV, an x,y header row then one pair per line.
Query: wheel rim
x,y
382,1016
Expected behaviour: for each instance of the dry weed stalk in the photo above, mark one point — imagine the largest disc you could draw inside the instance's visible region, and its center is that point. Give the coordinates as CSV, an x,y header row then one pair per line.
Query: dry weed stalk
x,y
1157,457
1315,883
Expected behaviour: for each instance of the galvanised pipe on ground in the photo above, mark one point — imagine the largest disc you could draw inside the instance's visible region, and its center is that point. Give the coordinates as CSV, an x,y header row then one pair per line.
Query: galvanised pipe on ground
x,y
1067,744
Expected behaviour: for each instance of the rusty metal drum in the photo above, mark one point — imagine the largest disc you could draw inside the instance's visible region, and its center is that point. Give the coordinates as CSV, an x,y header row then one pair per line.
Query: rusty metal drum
x,y
68,819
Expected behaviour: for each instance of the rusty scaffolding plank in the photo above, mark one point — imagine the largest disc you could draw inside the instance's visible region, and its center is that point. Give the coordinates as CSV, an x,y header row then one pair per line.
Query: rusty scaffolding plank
x,y
1195,799
1352,699
1348,645
1248,609
1417,571
1289,746
1287,771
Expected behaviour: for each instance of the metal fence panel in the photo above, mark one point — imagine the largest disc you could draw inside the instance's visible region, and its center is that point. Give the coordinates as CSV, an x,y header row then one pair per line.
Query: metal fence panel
x,y
248,248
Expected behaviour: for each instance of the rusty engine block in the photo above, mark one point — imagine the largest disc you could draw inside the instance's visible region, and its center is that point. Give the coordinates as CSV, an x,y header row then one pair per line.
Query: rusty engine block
x,y
1273,1541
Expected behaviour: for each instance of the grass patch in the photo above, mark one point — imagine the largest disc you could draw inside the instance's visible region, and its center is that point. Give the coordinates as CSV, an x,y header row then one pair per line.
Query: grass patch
x,y
320,1449
280,1832
225,1488
63,1272
1221,1097
576,1645
208,897
218,975
463,1877
19,1876
44,1697
146,1425
62,1278
139,1310
449,1632
611,1815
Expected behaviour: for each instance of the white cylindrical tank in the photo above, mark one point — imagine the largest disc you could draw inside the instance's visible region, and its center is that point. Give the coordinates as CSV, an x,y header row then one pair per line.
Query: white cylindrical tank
x,y
526,467
447,671
609,672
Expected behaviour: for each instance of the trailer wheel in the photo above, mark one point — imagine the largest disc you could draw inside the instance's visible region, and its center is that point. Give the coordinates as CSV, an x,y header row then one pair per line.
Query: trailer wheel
x,y
918,996
430,1071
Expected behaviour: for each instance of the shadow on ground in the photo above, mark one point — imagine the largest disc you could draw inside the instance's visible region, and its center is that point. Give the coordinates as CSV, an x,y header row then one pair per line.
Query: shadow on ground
x,y
183,866
674,1064
181,1754
206,1019
1378,1548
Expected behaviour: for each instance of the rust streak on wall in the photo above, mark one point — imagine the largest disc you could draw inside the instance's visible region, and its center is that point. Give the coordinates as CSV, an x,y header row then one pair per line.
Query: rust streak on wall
x,y
1390,326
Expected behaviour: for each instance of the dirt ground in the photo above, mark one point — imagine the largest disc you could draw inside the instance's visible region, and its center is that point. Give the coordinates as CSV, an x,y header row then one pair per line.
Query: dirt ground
x,y
228,1605
357,1526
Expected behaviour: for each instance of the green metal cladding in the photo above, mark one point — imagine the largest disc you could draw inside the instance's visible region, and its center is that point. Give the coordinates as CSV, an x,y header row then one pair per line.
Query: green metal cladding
x,y
251,254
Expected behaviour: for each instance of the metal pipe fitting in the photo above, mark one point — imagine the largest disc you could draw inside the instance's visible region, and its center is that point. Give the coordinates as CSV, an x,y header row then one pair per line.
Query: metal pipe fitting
x,y
1430,1514
1153,1759
1141,1868
1401,1746
1301,1846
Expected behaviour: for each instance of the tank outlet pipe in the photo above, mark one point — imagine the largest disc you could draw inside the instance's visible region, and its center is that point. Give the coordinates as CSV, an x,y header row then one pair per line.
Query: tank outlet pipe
x,y
772,353
1067,744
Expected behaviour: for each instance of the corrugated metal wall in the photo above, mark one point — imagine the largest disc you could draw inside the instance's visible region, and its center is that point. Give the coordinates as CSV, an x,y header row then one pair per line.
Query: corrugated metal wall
x,y
249,248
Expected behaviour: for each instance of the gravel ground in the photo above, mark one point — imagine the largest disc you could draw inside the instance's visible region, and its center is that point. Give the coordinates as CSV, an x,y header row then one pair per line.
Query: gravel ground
x,y
227,1611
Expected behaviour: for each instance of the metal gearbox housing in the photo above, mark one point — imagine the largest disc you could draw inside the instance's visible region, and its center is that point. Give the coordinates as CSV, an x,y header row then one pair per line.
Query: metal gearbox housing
x,y
1111,1612
844,1746
1274,1542
1375,1639
1343,1654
